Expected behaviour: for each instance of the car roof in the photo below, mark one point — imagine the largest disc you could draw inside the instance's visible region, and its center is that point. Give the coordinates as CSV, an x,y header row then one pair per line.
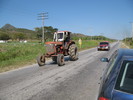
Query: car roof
x,y
62,31
104,42
125,52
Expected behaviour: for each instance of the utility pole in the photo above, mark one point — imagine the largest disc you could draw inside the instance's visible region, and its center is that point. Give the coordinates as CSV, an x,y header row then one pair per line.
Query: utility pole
x,y
43,16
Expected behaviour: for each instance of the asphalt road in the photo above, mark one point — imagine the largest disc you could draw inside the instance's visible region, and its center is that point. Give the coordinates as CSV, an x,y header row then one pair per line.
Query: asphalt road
x,y
77,80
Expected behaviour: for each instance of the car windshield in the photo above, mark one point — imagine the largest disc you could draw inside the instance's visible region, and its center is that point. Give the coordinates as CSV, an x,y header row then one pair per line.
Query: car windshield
x,y
60,35
125,78
103,43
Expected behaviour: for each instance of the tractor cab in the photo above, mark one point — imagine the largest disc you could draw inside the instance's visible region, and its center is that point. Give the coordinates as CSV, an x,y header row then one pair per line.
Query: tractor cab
x,y
62,36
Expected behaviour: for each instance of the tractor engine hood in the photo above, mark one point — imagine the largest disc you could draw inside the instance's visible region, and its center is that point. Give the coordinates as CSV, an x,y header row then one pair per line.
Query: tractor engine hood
x,y
51,47
52,42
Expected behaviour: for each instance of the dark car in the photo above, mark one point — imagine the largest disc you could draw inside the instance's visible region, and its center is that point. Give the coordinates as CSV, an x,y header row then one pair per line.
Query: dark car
x,y
104,46
117,80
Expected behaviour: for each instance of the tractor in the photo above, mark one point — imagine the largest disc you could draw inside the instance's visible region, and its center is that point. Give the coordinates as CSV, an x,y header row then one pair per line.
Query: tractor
x,y
61,46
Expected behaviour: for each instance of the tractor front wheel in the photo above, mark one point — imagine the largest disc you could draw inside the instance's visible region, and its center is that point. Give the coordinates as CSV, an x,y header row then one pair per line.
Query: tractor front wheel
x,y
41,60
60,59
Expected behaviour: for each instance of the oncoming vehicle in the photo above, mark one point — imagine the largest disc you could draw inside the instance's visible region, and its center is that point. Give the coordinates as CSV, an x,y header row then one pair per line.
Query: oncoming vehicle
x,y
117,80
103,46
61,46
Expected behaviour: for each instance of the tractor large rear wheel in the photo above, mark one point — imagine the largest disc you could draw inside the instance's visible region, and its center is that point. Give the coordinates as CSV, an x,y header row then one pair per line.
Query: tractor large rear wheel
x,y
73,52
60,59
41,60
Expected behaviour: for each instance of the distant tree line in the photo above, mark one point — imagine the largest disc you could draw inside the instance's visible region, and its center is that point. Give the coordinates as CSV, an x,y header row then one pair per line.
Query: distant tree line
x,y
92,38
9,32
23,34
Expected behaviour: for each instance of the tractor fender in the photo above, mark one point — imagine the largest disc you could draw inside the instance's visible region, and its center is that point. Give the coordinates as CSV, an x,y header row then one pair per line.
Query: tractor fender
x,y
70,43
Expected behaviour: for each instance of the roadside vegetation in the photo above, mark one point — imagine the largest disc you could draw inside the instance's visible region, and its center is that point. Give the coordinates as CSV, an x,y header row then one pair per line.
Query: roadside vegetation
x,y
16,53
128,42
13,55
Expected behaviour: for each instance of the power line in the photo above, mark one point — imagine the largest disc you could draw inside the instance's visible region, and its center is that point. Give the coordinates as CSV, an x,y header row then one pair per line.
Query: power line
x,y
43,16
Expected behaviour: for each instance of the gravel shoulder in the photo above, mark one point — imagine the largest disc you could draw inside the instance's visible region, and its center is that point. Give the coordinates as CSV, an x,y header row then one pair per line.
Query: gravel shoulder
x,y
123,45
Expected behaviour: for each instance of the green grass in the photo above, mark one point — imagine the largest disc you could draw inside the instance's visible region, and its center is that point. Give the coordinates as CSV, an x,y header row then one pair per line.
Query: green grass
x,y
18,54
15,55
86,44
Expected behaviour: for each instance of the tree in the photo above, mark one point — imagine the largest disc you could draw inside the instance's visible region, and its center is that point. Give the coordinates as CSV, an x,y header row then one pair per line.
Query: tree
x,y
19,36
37,29
4,36
48,30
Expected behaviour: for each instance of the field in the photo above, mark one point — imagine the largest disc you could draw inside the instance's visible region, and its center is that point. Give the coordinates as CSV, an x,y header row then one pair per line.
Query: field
x,y
15,55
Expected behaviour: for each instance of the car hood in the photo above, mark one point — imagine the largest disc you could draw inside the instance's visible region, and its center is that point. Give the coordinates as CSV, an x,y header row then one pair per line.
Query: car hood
x,y
118,95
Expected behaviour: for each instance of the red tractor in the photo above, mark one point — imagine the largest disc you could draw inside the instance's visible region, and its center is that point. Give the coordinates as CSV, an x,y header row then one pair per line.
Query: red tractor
x,y
61,46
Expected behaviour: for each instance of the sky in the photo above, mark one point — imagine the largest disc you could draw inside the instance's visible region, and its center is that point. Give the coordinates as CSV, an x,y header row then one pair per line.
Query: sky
x,y
111,18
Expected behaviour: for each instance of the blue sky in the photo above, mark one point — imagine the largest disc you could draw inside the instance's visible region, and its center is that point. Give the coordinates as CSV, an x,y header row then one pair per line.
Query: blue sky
x,y
91,17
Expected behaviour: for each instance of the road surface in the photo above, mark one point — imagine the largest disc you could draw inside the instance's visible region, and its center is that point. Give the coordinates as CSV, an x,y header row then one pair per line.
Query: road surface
x,y
77,80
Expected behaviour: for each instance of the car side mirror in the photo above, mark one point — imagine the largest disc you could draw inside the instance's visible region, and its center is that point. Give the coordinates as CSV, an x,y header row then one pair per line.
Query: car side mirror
x,y
104,60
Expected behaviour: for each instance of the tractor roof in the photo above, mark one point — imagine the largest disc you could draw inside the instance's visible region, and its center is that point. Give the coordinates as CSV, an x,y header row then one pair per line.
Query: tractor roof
x,y
61,31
